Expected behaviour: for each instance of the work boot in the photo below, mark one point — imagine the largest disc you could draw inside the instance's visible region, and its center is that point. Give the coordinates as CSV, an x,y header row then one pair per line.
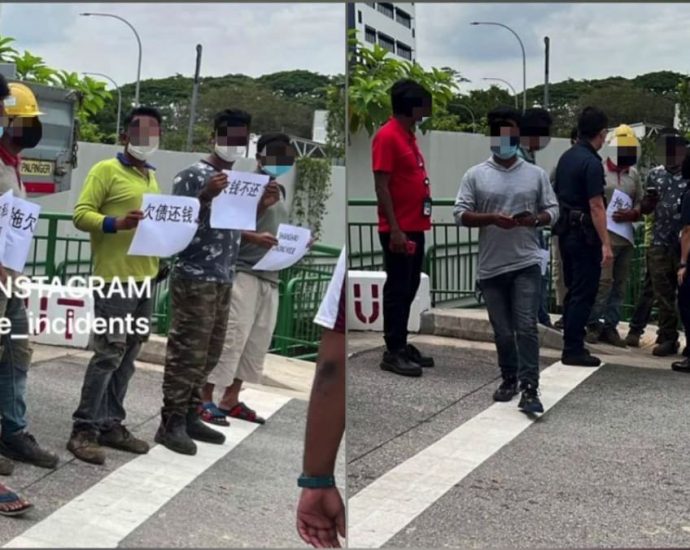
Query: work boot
x,y
681,366
398,363
506,391
22,446
196,429
664,349
530,402
172,433
593,334
84,445
122,439
583,359
610,336
415,356
6,466
633,339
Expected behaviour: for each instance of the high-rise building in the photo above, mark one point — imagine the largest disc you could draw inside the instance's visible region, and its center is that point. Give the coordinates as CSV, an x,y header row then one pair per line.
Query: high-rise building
x,y
390,25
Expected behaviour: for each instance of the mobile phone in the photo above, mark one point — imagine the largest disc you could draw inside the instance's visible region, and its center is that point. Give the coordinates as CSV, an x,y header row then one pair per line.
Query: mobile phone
x,y
411,248
521,215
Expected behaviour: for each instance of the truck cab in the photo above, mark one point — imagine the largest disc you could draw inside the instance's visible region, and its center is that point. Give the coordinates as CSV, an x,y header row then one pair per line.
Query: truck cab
x,y
47,168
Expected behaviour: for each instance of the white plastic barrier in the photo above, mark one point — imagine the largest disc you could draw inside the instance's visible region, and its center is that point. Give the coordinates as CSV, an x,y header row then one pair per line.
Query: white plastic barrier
x,y
49,312
365,301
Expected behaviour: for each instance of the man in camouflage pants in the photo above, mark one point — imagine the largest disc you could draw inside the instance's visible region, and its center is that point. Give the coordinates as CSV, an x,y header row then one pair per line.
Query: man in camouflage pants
x,y
664,190
200,289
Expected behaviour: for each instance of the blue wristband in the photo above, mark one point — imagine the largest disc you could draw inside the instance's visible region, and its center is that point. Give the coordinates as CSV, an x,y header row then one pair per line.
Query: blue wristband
x,y
320,482
109,225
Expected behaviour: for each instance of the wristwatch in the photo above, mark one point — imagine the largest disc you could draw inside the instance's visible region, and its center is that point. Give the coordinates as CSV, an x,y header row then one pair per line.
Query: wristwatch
x,y
316,482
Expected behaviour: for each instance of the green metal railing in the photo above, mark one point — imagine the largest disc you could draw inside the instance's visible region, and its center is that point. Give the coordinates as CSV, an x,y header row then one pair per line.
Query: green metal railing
x,y
451,257
301,288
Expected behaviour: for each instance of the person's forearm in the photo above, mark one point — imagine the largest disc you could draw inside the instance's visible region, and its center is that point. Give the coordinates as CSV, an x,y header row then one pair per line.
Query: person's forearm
x,y
685,244
475,219
599,222
385,201
249,236
544,217
326,413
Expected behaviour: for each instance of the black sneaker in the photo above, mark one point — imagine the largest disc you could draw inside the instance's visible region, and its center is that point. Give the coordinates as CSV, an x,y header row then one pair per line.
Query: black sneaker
x,y
506,391
400,364
584,359
529,402
23,447
415,356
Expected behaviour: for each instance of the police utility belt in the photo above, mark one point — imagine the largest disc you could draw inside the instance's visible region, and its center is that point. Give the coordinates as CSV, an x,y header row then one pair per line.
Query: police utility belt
x,y
574,219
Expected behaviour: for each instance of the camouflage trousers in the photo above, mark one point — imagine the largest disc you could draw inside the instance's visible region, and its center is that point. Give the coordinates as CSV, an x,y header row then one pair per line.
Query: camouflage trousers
x,y
662,263
200,312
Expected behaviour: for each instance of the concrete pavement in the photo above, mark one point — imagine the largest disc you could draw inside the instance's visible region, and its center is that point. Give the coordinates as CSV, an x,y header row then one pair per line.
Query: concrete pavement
x,y
216,499
604,467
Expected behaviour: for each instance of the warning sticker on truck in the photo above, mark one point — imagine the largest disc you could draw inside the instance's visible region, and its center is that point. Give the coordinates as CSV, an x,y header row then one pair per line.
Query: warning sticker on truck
x,y
37,168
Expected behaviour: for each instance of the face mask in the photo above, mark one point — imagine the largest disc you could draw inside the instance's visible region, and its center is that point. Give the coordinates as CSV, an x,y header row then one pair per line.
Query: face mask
x,y
28,136
277,171
230,153
506,148
143,152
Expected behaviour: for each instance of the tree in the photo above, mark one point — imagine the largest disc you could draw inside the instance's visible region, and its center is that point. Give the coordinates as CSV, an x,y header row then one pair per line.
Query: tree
x,y
92,95
372,74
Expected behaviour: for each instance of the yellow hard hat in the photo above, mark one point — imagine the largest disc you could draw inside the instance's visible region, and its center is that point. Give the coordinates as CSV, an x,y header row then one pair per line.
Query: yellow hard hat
x,y
21,102
624,136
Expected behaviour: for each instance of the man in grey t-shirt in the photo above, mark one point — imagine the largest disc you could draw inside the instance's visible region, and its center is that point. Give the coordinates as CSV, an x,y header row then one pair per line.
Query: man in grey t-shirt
x,y
254,303
508,199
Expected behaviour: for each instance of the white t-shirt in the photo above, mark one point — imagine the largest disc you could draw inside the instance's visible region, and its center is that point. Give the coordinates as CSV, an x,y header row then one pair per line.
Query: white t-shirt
x,y
331,314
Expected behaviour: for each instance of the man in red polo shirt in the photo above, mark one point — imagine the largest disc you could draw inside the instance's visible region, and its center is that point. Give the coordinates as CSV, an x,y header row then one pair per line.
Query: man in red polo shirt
x,y
404,212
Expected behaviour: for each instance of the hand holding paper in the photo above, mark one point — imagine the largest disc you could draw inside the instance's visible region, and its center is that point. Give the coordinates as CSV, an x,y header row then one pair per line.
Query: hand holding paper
x,y
19,231
237,206
620,201
293,244
167,227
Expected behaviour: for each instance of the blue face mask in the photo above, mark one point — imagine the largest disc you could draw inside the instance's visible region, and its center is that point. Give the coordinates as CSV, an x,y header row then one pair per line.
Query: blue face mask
x,y
277,171
506,148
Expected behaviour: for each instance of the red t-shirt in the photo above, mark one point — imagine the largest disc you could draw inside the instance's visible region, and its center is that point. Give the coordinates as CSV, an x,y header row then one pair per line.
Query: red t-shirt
x,y
394,151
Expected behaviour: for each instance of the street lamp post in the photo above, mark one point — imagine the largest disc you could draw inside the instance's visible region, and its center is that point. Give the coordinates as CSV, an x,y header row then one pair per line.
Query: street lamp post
x,y
474,124
509,86
524,58
119,100
136,34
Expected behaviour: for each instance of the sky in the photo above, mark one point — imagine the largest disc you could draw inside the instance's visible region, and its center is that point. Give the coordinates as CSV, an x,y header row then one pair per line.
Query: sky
x,y
588,41
252,39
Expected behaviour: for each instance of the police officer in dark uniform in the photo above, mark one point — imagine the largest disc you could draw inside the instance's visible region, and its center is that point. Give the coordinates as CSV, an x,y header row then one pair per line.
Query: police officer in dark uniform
x,y
683,278
581,229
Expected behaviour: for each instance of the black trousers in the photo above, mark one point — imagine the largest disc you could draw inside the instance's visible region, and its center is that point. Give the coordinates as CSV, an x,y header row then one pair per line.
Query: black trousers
x,y
403,274
582,270
684,306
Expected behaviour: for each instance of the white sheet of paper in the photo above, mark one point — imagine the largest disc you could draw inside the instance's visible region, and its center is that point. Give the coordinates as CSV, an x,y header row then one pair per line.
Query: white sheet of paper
x,y
620,201
169,225
6,201
21,225
545,258
236,207
293,243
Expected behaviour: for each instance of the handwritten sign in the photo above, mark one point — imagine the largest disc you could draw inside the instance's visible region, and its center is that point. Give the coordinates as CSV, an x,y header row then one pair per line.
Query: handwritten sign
x,y
168,226
236,207
620,201
22,218
6,201
293,243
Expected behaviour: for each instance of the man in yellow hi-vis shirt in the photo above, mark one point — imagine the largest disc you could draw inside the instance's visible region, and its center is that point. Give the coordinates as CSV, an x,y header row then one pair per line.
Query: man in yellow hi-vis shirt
x,y
108,209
